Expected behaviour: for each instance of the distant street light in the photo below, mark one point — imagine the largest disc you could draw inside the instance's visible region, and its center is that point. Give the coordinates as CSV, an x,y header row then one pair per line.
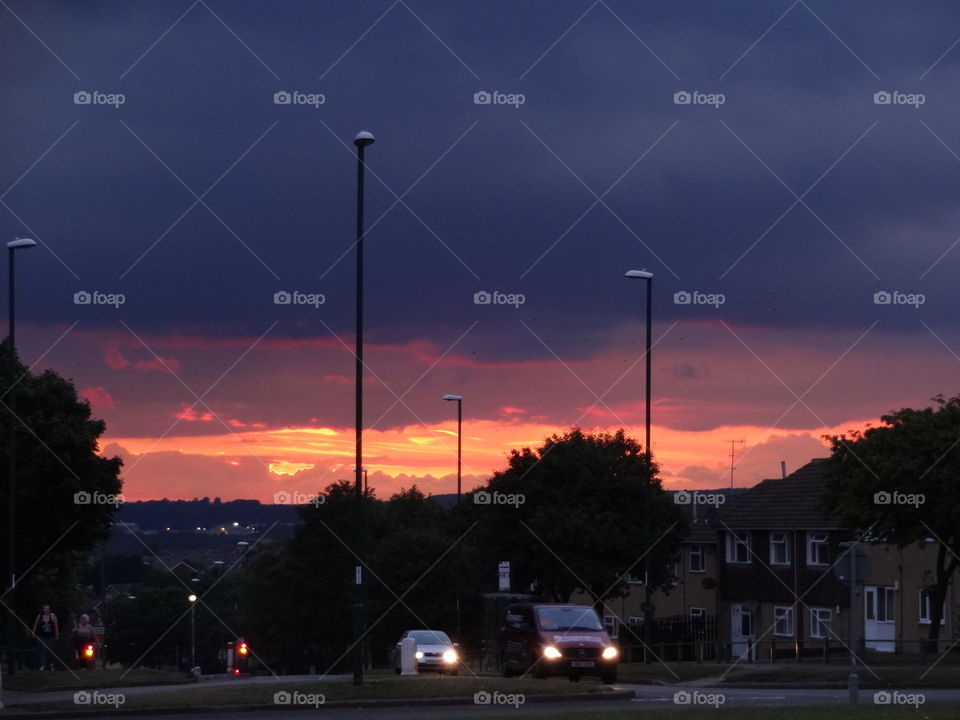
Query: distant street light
x,y
362,140
364,471
647,610
458,399
12,247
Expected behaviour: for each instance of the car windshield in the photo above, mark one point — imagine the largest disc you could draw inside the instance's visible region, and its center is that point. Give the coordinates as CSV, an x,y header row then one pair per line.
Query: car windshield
x,y
429,637
569,618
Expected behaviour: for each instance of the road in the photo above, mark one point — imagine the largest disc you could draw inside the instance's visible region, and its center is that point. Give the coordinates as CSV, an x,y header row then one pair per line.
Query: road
x,y
647,696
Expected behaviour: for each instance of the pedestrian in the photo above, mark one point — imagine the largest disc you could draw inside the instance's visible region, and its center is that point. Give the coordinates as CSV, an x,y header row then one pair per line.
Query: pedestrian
x,y
82,635
46,630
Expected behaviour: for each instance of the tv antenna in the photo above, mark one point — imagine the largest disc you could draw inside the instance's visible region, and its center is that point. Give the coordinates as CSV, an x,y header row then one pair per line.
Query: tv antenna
x,y
733,452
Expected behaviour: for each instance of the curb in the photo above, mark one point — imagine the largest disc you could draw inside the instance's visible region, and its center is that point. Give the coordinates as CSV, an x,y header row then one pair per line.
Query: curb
x,y
332,705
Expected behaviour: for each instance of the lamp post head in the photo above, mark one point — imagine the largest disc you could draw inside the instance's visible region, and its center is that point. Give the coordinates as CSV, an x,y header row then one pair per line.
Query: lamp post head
x,y
18,243
192,598
363,139
643,274
458,398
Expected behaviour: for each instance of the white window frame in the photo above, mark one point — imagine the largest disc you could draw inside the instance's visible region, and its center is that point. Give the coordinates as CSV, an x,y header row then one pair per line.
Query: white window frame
x,y
698,551
783,612
611,623
817,621
697,612
925,608
735,540
785,541
820,539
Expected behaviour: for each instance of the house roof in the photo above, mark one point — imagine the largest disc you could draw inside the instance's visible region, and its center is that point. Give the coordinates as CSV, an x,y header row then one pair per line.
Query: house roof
x,y
793,502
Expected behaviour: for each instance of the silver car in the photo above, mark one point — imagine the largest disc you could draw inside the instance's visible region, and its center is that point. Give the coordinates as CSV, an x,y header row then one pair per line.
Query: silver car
x,y
435,652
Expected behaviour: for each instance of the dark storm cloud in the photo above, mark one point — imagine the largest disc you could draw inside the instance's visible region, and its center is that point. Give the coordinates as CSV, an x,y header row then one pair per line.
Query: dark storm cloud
x,y
702,198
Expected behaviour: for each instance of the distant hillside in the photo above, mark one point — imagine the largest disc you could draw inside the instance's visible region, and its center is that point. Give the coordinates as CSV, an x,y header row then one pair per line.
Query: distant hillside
x,y
190,514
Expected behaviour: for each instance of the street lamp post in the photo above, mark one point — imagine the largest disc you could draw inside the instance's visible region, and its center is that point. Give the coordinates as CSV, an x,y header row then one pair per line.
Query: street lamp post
x,y
647,610
459,400
12,247
193,631
362,140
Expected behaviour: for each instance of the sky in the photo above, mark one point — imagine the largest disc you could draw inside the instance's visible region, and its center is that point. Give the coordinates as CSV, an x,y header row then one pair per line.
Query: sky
x,y
788,171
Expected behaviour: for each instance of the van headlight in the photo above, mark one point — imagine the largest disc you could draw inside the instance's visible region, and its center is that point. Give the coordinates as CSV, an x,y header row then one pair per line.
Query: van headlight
x,y
449,656
418,654
610,652
551,653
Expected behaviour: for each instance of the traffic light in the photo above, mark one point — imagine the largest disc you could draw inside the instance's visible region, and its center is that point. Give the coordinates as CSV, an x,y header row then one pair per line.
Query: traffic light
x,y
243,650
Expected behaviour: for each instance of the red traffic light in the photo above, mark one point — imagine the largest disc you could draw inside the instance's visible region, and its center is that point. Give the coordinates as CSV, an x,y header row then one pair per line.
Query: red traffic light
x,y
243,649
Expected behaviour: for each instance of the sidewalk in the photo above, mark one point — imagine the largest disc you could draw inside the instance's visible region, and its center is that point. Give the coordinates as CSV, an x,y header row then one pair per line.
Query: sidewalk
x,y
12,699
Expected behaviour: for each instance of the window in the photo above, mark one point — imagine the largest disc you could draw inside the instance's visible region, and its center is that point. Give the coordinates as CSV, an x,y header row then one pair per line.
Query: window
x,y
779,548
698,613
926,608
817,550
820,622
880,604
738,547
783,621
697,564
612,625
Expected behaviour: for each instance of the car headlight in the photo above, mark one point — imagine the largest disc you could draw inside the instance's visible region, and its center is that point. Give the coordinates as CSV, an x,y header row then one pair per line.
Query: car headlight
x,y
551,653
418,654
610,652
449,656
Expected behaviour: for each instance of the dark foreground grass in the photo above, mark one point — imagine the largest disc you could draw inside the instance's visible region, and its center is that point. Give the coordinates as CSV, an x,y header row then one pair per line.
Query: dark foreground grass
x,y
32,680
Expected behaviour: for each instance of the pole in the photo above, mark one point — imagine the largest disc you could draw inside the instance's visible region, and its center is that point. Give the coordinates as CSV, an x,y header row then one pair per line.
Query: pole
x,y
649,349
853,682
459,511
12,479
359,609
648,605
193,636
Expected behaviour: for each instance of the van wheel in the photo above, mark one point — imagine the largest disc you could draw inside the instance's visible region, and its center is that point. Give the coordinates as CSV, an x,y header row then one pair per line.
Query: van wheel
x,y
609,678
538,672
574,678
396,670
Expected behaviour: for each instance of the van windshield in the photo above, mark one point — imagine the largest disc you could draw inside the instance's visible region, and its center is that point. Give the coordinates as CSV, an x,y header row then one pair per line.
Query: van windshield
x,y
429,637
569,618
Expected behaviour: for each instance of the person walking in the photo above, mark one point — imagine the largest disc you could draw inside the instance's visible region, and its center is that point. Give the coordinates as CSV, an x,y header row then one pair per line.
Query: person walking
x,y
46,631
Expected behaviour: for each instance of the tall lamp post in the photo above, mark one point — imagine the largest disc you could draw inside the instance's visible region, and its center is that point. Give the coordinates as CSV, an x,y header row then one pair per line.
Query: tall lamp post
x,y
362,140
193,631
648,607
12,247
459,400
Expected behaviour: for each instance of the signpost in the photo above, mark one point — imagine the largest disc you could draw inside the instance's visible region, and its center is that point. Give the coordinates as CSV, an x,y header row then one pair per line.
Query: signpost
x,y
853,574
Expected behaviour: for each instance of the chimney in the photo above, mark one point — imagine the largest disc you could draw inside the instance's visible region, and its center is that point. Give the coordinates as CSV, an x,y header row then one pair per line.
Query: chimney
x,y
783,468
